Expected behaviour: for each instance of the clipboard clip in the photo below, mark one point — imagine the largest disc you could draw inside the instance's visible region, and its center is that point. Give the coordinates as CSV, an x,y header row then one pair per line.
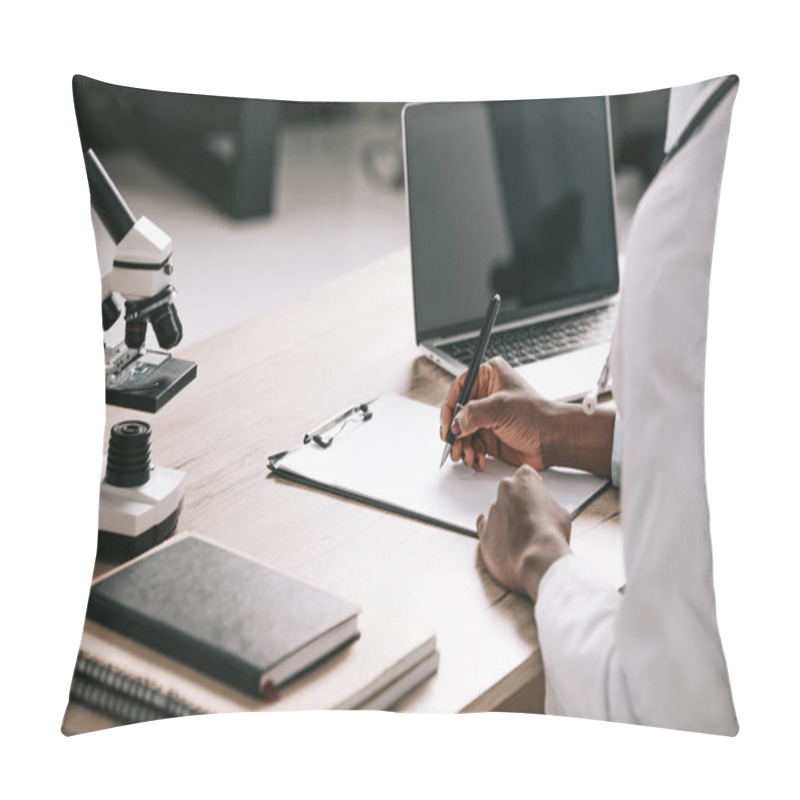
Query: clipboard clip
x,y
328,431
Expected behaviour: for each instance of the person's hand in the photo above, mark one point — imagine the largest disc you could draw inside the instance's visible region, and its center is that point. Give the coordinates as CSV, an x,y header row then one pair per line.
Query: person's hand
x,y
504,418
524,532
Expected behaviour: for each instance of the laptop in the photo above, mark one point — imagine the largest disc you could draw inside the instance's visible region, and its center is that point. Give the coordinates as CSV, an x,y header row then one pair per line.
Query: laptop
x,y
515,198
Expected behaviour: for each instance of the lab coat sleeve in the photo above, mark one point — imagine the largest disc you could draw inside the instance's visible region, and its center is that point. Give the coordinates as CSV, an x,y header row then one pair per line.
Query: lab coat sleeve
x,y
653,655
576,618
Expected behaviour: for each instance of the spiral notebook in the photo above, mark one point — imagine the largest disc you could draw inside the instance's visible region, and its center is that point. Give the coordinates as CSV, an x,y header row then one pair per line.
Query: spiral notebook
x,y
386,453
118,681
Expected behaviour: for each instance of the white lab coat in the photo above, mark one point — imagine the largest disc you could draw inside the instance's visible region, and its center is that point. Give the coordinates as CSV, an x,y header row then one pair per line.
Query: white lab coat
x,y
653,655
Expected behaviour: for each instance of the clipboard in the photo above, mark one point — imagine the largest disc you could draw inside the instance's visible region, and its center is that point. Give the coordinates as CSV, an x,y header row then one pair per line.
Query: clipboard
x,y
386,454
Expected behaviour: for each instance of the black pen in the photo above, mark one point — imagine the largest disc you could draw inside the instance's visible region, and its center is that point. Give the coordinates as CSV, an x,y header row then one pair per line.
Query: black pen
x,y
480,352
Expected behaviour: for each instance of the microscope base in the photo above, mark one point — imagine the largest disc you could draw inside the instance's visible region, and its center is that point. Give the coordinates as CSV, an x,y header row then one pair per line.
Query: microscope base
x,y
134,519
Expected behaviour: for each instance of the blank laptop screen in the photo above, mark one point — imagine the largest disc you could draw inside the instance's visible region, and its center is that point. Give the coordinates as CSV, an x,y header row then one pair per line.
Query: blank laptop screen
x,y
513,197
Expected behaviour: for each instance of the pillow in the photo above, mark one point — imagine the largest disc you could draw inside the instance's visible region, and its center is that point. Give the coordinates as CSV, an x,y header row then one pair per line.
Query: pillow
x,y
205,175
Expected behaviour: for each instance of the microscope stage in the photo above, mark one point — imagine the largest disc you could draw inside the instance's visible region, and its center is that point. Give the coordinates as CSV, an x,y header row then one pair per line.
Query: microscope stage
x,y
149,381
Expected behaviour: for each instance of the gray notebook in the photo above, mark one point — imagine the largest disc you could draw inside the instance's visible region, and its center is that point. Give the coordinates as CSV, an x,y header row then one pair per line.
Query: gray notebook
x,y
238,621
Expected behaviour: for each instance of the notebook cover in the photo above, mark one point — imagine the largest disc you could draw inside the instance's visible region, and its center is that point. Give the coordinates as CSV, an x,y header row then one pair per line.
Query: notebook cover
x,y
221,613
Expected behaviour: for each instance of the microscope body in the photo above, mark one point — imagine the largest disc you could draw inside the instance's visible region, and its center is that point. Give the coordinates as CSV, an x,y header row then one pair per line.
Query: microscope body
x,y
140,269
139,502
141,274
142,263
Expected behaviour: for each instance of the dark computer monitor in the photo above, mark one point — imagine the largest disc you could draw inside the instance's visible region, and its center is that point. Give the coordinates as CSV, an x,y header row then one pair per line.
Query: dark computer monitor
x,y
513,197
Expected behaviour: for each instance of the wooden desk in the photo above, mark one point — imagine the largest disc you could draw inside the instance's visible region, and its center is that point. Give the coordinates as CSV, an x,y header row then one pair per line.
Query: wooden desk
x,y
260,387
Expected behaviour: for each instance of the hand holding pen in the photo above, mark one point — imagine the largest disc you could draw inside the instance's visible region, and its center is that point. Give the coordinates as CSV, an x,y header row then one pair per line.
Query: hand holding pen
x,y
507,419
477,358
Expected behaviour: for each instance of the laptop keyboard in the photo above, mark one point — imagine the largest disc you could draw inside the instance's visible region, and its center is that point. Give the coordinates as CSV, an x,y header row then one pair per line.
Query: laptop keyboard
x,y
542,339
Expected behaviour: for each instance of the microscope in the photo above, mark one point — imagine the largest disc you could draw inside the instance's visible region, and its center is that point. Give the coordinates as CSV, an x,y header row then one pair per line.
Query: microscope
x,y
139,503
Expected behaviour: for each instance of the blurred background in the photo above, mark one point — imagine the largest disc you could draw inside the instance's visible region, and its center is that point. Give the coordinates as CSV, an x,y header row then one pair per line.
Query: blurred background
x,y
266,200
